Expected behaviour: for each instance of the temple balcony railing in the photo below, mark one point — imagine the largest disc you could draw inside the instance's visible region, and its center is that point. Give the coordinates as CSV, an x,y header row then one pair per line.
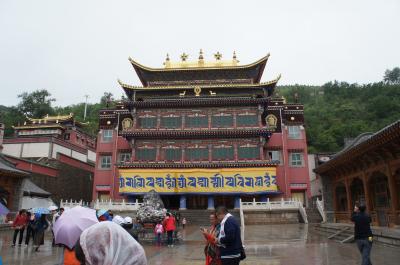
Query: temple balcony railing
x,y
104,204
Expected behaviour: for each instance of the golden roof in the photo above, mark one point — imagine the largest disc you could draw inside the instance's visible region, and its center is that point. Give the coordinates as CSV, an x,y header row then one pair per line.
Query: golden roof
x,y
202,86
51,118
199,64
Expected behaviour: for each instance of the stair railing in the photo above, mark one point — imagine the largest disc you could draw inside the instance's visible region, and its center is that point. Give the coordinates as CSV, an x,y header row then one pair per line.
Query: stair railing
x,y
241,221
320,207
303,212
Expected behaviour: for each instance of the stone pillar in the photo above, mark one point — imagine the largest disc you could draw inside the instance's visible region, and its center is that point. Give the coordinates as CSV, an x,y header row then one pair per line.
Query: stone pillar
x,y
182,202
237,202
210,202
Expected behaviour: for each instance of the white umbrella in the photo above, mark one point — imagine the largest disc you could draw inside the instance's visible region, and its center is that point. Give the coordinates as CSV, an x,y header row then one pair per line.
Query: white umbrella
x,y
53,208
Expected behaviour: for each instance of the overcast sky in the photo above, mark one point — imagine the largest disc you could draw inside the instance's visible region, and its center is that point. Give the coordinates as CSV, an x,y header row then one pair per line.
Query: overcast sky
x,y
74,48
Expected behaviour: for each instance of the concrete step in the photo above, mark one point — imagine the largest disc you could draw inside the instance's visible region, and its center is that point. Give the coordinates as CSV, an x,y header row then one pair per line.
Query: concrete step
x,y
202,217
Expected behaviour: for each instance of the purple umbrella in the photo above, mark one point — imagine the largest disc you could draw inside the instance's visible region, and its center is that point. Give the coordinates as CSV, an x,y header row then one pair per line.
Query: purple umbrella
x,y
3,210
69,226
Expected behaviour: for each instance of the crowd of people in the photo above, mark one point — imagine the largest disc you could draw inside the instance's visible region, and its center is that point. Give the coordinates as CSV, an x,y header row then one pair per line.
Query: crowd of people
x,y
35,225
115,239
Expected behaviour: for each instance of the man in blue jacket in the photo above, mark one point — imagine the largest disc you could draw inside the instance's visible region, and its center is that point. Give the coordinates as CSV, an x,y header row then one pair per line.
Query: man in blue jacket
x,y
229,241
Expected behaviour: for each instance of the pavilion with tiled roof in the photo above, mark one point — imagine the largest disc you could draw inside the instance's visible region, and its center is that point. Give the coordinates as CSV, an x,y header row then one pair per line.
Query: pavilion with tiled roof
x,y
366,171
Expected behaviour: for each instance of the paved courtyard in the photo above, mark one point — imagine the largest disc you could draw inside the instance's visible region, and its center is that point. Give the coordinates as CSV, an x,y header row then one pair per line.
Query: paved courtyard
x,y
269,245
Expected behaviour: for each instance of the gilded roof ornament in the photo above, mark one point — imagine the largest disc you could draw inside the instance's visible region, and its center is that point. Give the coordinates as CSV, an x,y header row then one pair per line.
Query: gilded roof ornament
x,y
201,57
184,57
218,56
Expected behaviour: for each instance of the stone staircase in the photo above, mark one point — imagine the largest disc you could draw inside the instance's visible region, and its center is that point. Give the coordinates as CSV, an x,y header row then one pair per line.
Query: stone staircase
x,y
313,216
201,217
344,233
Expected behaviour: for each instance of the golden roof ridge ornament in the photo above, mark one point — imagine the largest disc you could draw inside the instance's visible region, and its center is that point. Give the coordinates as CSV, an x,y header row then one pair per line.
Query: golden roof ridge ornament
x,y
218,56
200,62
184,57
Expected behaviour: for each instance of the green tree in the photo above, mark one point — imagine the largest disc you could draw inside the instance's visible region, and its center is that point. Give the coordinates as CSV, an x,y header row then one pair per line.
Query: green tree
x,y
392,76
36,104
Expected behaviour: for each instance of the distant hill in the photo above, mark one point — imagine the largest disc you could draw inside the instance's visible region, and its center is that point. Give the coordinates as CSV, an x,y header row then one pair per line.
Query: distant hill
x,y
338,110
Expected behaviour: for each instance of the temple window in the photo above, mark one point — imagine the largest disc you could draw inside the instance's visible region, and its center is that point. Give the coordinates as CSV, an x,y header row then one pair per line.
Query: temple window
x,y
172,154
296,159
107,135
249,152
222,120
198,153
66,136
294,132
196,121
171,122
147,122
275,156
246,120
223,153
146,154
124,157
105,162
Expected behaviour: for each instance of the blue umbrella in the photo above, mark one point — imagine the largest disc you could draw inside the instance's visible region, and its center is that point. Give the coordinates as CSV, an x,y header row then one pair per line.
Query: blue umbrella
x,y
101,212
3,210
40,210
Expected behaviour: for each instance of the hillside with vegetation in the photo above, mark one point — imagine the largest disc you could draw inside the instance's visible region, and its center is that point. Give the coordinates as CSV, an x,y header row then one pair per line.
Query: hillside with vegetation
x,y
333,112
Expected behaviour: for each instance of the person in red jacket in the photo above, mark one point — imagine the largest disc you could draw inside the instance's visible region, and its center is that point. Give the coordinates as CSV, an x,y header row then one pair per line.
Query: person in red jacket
x,y
170,226
19,225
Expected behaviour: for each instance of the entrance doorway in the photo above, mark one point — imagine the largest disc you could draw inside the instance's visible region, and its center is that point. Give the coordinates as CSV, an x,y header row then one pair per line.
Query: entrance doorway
x,y
299,196
196,202
171,202
227,201
379,188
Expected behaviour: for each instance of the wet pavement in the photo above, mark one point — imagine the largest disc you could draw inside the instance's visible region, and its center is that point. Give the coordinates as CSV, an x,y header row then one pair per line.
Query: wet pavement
x,y
269,245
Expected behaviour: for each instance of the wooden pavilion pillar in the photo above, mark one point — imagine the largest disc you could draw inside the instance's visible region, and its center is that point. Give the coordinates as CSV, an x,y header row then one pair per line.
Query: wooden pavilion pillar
x,y
393,194
366,191
348,195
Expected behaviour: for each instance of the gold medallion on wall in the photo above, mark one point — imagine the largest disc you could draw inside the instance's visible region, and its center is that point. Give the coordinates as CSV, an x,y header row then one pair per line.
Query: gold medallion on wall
x,y
197,91
271,120
127,123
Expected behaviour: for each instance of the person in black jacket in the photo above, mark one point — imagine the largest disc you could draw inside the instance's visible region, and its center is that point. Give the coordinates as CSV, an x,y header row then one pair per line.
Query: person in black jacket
x,y
362,233
229,241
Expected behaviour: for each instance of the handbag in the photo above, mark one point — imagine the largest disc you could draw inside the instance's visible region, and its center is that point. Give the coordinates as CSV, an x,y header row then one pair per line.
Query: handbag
x,y
242,254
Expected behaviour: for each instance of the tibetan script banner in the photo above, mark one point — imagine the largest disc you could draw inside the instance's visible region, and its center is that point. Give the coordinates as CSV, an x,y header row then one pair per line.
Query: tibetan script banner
x,y
228,180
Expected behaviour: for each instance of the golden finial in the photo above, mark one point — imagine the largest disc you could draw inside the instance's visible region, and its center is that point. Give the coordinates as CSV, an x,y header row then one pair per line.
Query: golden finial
x,y
201,55
218,56
184,57
167,62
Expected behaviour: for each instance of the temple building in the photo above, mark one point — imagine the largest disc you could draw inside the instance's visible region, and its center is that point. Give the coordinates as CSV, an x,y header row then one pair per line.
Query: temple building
x,y
366,171
58,155
202,133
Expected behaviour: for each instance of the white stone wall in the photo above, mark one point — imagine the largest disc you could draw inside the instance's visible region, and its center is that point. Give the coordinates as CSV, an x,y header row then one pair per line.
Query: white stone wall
x,y
35,150
91,156
79,156
12,149
60,149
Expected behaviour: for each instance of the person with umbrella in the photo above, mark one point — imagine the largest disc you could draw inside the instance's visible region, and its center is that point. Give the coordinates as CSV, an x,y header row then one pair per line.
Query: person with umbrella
x,y
108,243
19,225
39,226
68,228
29,229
